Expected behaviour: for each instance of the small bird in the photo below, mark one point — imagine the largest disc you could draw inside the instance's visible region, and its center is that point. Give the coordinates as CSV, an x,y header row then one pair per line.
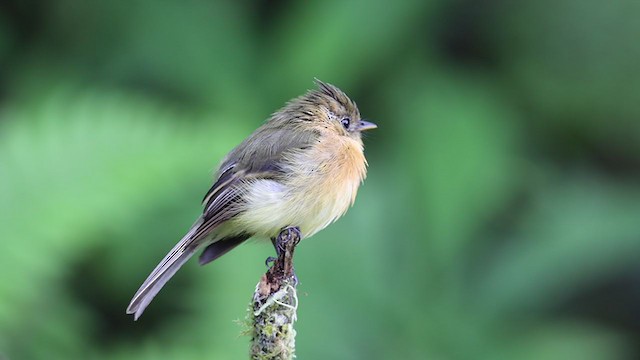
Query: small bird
x,y
301,168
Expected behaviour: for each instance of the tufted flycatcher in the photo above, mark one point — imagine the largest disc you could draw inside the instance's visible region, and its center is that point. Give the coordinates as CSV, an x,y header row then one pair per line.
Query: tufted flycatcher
x,y
301,168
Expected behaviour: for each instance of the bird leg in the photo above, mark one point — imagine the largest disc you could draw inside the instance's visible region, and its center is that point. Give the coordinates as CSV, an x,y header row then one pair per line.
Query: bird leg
x,y
282,266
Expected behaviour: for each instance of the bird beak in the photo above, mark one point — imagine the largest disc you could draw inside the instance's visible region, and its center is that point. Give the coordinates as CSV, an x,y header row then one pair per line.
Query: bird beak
x,y
366,125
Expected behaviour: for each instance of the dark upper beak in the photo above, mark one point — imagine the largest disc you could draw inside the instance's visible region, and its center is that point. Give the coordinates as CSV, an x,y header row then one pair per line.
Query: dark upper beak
x,y
366,125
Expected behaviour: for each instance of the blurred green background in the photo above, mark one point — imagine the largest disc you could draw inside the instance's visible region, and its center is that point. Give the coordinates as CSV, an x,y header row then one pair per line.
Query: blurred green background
x,y
500,218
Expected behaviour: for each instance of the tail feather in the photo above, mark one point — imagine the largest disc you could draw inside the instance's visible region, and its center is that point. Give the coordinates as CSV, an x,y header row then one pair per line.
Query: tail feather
x,y
179,255
221,247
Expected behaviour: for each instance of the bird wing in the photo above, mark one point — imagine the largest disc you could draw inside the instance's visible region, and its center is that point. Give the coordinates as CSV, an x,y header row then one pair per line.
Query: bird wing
x,y
266,148
260,156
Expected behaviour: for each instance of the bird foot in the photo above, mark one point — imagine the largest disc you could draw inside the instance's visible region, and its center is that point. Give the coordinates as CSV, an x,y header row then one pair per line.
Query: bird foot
x,y
286,236
281,267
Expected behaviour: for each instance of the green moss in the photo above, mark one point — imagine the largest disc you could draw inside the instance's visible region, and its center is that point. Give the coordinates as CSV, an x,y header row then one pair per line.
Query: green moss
x,y
273,335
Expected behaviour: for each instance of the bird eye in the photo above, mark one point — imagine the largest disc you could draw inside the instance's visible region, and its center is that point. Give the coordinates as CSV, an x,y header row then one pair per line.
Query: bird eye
x,y
345,122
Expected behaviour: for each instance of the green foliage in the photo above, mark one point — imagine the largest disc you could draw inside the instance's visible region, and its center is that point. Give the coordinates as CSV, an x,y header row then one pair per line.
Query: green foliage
x,y
501,201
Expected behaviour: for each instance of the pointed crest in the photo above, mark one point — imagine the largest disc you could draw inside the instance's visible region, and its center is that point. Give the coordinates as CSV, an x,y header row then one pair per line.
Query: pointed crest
x,y
336,94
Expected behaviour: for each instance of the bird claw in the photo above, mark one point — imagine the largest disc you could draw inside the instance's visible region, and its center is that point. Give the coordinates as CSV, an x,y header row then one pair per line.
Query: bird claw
x,y
270,261
286,235
294,230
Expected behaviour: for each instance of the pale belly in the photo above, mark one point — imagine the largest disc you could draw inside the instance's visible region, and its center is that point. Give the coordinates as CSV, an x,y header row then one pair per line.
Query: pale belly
x,y
272,206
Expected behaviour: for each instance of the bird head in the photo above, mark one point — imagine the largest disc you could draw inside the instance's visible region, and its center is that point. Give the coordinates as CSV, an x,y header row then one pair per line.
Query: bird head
x,y
327,107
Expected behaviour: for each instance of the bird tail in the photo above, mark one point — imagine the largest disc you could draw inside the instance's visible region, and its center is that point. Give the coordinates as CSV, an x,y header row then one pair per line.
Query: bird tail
x,y
179,255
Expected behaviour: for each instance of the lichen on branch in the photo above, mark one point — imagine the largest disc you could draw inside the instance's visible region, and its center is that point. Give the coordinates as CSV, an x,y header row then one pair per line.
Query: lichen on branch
x,y
274,306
